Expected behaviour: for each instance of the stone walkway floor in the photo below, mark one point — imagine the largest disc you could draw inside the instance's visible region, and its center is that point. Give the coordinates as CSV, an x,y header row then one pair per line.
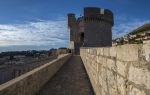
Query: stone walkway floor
x,y
71,79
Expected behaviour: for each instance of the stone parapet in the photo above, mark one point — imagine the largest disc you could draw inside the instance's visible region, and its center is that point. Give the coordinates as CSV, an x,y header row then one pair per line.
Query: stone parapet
x,y
121,70
31,82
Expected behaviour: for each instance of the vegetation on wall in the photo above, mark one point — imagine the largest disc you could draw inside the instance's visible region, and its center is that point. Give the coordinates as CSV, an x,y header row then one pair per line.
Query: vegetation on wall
x,y
145,27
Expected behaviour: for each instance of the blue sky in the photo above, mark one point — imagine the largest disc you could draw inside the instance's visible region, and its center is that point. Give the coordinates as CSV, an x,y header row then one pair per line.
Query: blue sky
x,y
43,23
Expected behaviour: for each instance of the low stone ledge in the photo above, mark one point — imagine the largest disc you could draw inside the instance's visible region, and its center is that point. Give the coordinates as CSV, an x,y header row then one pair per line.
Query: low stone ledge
x,y
31,82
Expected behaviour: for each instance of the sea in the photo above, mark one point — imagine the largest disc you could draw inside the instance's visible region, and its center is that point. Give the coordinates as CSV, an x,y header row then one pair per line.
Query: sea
x,y
24,47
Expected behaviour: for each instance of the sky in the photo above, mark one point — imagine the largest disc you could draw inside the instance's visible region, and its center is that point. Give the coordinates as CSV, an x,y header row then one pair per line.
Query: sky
x,y
42,24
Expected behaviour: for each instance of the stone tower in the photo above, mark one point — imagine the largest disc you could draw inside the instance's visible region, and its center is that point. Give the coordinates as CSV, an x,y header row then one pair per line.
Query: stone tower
x,y
72,27
93,29
97,27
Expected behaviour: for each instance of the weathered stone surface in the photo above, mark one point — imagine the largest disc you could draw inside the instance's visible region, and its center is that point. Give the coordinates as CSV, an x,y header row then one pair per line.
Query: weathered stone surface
x,y
104,92
104,63
111,64
128,52
135,91
140,76
100,51
121,70
104,79
146,52
113,51
106,51
112,82
121,85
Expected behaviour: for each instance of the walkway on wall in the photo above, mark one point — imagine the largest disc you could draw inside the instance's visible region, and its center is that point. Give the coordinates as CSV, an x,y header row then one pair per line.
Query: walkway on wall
x,y
71,79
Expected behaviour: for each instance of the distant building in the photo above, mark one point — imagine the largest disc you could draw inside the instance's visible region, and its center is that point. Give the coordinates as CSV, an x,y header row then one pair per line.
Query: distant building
x,y
94,29
62,51
137,36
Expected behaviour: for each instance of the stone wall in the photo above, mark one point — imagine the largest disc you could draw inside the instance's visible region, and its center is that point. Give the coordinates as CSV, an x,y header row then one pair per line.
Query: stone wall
x,y
121,70
31,82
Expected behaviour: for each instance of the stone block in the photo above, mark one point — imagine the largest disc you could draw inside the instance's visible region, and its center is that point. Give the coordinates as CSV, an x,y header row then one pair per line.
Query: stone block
x,y
113,51
99,59
135,91
100,80
91,51
128,52
104,79
121,85
140,76
104,62
112,82
146,52
88,50
121,68
111,64
100,51
112,79
106,51
94,51
104,92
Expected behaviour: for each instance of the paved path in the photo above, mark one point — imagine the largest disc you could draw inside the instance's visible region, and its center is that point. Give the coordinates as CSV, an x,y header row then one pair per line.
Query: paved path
x,y
71,79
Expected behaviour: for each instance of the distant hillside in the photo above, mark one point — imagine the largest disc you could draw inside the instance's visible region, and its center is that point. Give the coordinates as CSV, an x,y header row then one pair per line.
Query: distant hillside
x,y
138,36
144,27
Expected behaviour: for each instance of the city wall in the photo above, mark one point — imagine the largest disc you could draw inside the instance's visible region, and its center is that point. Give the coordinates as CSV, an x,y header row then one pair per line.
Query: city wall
x,y
31,82
121,70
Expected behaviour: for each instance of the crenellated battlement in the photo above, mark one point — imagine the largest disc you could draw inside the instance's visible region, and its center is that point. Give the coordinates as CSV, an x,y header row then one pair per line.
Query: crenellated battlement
x,y
98,15
92,14
71,20
96,19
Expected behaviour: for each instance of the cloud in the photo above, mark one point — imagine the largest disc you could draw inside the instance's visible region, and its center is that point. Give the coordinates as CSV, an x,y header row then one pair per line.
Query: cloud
x,y
124,26
53,33
35,33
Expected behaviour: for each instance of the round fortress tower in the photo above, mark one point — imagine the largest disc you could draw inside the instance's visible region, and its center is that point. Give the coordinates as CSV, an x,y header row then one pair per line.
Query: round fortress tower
x,y
97,27
93,29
